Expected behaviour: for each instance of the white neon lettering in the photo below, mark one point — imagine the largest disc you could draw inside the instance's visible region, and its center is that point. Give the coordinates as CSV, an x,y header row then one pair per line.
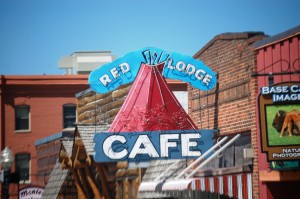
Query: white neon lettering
x,y
199,74
165,144
207,79
190,69
180,66
170,64
114,72
107,147
124,67
295,88
264,90
148,148
105,79
186,143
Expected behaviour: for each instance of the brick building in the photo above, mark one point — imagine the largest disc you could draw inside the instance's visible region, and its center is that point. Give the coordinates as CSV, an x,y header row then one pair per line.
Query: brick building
x,y
230,107
241,171
32,108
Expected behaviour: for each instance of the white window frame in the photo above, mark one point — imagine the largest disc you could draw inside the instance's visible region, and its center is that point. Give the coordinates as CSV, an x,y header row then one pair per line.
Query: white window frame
x,y
63,116
29,120
29,168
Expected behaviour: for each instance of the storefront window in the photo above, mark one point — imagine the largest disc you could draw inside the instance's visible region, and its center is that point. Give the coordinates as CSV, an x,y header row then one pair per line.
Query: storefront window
x,y
233,155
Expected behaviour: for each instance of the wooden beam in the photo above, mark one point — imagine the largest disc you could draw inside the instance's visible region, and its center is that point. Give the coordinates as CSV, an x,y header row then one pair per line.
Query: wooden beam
x,y
84,183
122,165
91,182
102,169
128,172
103,181
65,160
77,153
80,192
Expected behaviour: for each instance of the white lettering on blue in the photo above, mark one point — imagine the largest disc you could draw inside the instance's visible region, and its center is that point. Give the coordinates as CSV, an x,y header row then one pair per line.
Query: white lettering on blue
x,y
110,152
143,145
190,70
114,73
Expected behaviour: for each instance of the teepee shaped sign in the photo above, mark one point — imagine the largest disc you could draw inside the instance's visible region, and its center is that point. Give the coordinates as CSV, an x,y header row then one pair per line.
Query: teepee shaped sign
x,y
151,123
124,70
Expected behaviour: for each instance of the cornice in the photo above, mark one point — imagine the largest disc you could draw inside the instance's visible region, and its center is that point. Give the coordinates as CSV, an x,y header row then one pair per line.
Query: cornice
x,y
44,80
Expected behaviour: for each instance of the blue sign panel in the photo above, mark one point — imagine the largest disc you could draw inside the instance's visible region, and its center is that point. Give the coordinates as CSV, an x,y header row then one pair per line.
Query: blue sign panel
x,y
176,66
190,70
145,146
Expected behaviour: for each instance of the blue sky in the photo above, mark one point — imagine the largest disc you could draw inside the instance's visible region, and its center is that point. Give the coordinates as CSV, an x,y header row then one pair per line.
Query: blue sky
x,y
35,34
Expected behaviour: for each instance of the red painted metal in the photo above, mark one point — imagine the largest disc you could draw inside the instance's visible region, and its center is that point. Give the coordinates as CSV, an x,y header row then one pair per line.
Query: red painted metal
x,y
151,105
276,66
280,57
294,57
245,186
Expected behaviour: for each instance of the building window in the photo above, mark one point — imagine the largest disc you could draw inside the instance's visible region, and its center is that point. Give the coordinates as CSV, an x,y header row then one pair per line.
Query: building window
x,y
22,118
69,115
23,166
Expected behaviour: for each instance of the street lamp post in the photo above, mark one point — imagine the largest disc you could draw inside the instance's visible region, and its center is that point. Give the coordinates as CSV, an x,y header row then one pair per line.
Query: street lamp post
x,y
6,160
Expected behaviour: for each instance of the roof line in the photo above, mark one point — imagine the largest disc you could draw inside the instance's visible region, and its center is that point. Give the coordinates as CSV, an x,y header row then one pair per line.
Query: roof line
x,y
277,38
53,137
229,36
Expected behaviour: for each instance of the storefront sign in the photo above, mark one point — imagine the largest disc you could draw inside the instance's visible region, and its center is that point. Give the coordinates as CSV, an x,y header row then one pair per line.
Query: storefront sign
x,y
282,93
145,146
31,193
285,165
279,108
176,66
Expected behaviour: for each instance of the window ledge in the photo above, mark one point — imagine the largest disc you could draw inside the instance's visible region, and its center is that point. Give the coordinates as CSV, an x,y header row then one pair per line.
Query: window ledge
x,y
69,129
23,131
25,182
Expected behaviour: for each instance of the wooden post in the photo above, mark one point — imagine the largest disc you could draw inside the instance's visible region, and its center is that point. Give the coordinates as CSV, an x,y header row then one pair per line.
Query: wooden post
x,y
80,192
92,183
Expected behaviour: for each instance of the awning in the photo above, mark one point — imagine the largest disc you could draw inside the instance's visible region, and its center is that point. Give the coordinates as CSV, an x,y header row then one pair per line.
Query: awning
x,y
149,186
177,185
236,186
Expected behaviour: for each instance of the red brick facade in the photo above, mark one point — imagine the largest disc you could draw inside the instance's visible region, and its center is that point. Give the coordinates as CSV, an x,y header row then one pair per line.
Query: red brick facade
x,y
230,107
45,95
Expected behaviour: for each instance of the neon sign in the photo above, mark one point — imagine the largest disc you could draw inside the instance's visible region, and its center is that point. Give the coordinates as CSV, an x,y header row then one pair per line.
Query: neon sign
x,y
176,66
279,111
31,192
282,93
145,146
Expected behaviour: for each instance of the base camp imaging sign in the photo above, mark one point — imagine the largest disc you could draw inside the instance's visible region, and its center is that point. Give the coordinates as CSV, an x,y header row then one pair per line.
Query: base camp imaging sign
x,y
279,111
145,146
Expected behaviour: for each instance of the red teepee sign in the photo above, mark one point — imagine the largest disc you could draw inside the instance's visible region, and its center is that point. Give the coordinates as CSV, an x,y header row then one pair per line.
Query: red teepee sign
x,y
151,106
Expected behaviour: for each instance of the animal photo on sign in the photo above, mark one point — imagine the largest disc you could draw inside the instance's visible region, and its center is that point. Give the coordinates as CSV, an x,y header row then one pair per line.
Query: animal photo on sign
x,y
283,124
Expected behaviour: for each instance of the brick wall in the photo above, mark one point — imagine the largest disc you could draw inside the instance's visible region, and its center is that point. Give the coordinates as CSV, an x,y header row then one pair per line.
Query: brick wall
x,y
45,95
231,105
